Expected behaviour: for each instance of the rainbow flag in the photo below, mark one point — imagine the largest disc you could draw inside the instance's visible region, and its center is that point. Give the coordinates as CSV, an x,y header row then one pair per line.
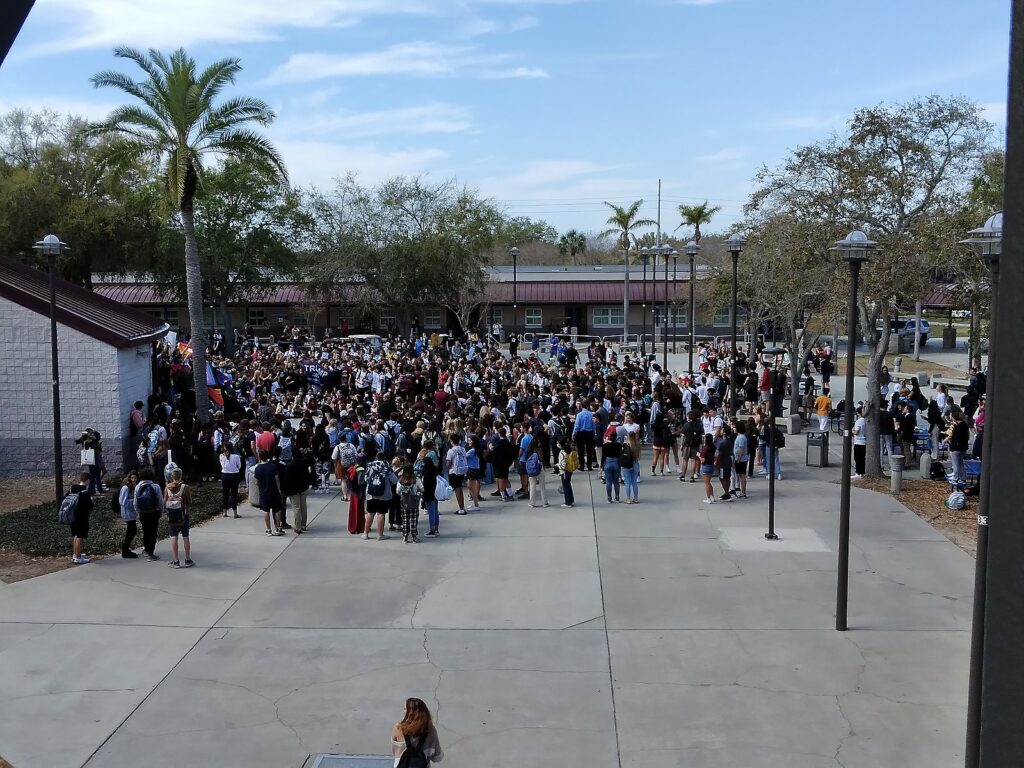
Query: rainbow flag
x,y
215,381
185,350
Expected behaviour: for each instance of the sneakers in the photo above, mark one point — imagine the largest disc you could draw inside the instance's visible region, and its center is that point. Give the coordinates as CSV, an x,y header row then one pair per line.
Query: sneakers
x,y
79,560
725,497
567,506
460,512
383,537
286,527
709,501
279,532
546,504
366,536
152,557
174,564
128,555
495,493
474,508
188,563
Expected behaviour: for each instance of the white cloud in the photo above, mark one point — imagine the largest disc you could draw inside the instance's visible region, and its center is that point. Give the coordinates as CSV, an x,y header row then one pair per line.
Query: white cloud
x,y
427,118
478,26
724,155
523,22
104,23
320,162
419,59
529,73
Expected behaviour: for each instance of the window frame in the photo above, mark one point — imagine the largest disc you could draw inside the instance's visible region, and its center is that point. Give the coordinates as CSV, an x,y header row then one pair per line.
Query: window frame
x,y
539,315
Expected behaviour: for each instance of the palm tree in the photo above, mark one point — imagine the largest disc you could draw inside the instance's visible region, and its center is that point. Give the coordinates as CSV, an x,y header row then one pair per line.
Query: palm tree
x,y
623,222
695,215
572,243
177,127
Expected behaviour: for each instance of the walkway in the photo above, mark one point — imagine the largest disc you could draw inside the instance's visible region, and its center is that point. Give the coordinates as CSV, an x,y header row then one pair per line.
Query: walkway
x,y
649,636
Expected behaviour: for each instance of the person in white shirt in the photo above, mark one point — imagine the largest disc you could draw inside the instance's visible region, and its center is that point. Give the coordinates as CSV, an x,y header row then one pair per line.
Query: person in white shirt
x,y
860,443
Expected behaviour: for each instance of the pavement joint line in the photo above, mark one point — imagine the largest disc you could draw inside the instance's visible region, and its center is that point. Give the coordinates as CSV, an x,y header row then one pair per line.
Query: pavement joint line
x,y
202,637
604,612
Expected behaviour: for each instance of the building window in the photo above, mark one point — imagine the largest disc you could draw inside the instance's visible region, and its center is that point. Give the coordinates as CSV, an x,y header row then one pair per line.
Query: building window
x,y
386,318
723,319
497,315
299,318
257,317
680,316
170,316
534,317
607,317
432,317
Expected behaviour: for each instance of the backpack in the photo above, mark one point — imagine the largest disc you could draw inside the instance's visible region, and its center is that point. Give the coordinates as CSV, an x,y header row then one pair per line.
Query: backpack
x,y
413,757
376,478
780,438
418,467
68,507
386,443
152,441
147,497
936,471
572,462
347,454
626,458
286,448
533,465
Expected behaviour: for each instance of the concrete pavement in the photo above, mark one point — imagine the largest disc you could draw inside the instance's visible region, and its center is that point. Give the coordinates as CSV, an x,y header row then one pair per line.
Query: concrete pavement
x,y
664,634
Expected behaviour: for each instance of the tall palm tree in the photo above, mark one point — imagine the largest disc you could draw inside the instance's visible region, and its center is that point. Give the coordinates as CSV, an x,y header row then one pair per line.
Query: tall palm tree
x,y
624,222
177,127
695,215
571,244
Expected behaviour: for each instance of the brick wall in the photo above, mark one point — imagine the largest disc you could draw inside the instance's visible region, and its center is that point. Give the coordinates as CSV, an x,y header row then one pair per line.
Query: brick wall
x,y
98,383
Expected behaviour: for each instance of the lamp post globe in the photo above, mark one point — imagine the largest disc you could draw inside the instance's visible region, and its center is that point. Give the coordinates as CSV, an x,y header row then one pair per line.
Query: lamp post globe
x,y
735,245
52,247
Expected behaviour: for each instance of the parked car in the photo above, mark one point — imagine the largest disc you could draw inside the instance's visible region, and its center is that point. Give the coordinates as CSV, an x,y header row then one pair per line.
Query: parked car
x,y
908,327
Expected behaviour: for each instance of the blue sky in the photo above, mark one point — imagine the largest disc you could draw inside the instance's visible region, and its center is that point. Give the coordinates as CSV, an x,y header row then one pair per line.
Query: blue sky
x,y
550,106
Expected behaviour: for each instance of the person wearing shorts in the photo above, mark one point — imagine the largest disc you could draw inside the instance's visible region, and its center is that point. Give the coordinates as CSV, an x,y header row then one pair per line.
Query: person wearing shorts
x,y
707,467
458,466
80,527
177,502
741,457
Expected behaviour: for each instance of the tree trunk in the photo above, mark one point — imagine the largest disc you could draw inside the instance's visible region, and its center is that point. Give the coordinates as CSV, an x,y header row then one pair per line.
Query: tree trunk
x,y
869,320
229,327
974,333
194,285
917,331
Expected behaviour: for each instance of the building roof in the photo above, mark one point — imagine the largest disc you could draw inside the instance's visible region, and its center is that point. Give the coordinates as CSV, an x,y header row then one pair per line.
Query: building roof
x,y
588,273
97,316
945,296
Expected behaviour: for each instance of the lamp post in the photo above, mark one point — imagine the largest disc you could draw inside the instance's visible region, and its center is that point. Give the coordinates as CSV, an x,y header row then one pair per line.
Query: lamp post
x,y
772,356
675,289
645,257
666,251
52,247
514,253
989,239
625,289
735,246
855,249
692,249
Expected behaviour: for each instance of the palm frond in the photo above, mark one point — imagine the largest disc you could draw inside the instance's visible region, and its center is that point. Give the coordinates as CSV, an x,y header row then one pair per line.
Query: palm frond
x,y
233,112
249,146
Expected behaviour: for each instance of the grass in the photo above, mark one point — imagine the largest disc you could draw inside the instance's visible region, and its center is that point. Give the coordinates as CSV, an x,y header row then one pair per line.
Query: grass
x,y
36,531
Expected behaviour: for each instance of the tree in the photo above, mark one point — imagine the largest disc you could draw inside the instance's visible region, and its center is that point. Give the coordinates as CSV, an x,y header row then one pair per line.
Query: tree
x,y
697,215
896,171
402,244
179,127
520,230
624,222
572,243
247,227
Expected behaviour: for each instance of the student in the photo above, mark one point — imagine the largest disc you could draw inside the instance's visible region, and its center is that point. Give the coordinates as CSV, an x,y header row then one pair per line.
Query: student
x,y
860,443
80,526
149,504
629,465
296,480
568,462
230,477
611,450
268,480
410,489
178,502
380,479
740,457
708,461
126,502
416,732
458,467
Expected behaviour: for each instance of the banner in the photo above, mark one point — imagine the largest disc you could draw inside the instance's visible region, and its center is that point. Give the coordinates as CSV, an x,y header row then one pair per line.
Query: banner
x,y
215,383
316,374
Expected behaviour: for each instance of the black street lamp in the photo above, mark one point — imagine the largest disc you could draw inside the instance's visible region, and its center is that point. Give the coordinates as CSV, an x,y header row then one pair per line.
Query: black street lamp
x,y
855,249
514,253
667,252
645,257
692,249
989,239
772,356
735,246
52,247
675,290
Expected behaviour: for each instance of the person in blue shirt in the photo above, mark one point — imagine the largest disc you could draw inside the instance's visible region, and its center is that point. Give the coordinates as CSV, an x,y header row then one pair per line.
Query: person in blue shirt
x,y
583,436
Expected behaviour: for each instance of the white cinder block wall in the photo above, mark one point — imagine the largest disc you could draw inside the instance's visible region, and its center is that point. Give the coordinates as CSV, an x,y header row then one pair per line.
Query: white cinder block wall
x,y
98,384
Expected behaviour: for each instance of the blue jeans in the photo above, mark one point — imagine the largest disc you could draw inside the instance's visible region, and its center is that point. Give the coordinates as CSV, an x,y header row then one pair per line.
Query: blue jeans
x,y
957,457
570,498
611,477
432,517
629,479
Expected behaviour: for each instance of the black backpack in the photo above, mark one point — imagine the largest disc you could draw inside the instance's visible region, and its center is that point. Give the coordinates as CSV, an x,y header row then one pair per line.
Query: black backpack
x,y
413,757
780,438
937,471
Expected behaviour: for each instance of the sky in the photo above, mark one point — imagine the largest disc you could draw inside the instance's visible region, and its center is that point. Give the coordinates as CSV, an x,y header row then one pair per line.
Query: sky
x,y
550,107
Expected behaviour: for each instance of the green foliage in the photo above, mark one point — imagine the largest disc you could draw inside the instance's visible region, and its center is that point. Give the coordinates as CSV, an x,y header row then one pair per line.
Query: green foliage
x,y
697,215
36,530
520,230
624,221
571,244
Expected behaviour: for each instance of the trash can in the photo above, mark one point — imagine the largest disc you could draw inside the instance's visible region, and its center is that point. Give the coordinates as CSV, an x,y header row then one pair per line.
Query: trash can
x,y
905,345
949,337
817,449
922,378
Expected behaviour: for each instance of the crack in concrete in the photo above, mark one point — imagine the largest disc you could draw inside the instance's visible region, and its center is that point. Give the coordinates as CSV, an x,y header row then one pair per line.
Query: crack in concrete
x,y
169,592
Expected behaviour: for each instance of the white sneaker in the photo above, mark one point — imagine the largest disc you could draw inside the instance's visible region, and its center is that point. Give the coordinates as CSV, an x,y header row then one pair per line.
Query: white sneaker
x,y
82,560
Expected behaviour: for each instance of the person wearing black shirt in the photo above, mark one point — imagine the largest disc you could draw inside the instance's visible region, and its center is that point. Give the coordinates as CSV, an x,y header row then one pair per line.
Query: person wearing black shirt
x,y
611,450
80,527
959,435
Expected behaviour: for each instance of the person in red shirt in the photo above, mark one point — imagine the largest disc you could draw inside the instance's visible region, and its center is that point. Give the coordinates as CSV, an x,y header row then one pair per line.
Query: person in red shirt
x,y
266,440
764,386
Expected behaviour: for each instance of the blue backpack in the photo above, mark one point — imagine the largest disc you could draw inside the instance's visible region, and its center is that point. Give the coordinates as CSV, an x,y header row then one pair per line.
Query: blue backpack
x,y
533,465
68,508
